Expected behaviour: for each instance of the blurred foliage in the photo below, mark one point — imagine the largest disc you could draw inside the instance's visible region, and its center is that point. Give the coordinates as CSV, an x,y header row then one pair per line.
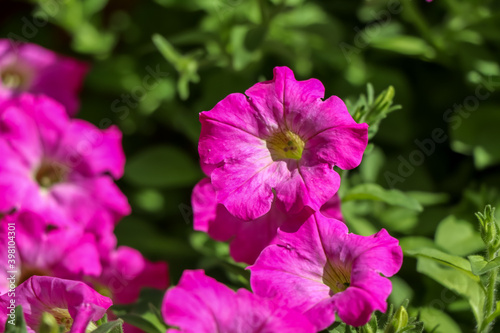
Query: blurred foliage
x,y
429,167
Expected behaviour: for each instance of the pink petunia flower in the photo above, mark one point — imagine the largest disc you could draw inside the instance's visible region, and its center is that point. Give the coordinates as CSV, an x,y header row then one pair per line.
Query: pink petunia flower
x,y
322,269
282,140
73,304
59,167
247,238
43,248
34,69
126,272
201,304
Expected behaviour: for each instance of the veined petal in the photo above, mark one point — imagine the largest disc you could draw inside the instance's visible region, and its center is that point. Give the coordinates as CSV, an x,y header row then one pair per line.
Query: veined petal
x,y
380,252
238,184
308,185
247,238
283,97
340,146
319,270
201,304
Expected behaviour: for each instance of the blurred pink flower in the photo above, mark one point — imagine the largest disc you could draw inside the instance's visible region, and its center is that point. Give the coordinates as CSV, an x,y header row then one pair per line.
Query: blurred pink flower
x,y
322,269
125,272
59,167
32,68
200,304
44,248
282,140
247,238
73,304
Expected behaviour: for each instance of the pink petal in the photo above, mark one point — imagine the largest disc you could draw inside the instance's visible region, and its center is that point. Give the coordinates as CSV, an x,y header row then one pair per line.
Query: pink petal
x,y
127,272
91,150
319,116
248,238
308,185
237,185
201,304
53,75
198,304
296,271
380,252
280,99
354,307
340,146
39,294
331,208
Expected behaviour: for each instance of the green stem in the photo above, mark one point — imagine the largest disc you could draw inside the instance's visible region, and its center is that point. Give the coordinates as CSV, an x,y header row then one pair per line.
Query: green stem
x,y
490,292
492,279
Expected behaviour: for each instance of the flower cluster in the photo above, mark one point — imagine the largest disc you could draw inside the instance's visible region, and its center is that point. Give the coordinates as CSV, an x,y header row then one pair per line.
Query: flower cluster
x,y
270,190
269,158
57,187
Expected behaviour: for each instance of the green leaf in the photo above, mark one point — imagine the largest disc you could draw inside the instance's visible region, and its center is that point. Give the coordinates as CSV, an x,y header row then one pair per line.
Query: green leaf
x,y
341,328
399,219
370,111
114,326
476,133
162,166
377,193
401,290
186,65
254,37
437,321
166,49
356,223
371,326
458,237
140,322
429,198
371,165
408,45
480,266
456,280
415,242
143,314
90,7
456,262
16,324
89,39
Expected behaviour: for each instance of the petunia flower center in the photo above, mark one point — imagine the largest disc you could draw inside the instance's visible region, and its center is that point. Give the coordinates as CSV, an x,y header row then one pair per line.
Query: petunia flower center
x,y
13,80
50,173
284,145
63,318
337,277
